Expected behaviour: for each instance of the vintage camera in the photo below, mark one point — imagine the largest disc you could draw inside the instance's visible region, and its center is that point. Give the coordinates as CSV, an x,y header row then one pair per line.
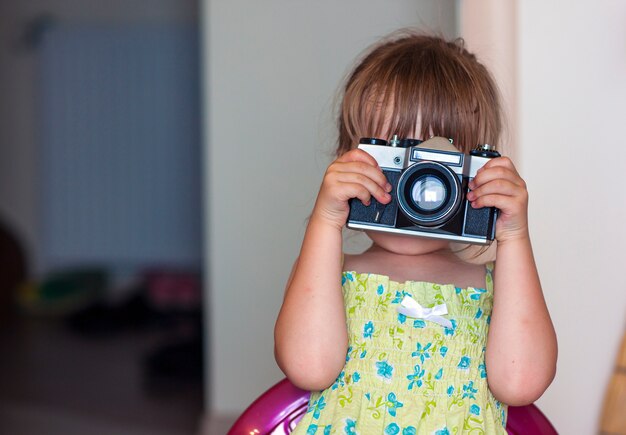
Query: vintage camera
x,y
430,183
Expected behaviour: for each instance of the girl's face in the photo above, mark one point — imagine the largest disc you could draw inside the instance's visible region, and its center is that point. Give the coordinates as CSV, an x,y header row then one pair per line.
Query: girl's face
x,y
406,245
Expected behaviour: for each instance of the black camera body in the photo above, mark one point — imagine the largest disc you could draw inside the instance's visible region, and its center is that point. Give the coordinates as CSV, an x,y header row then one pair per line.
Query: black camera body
x,y
430,183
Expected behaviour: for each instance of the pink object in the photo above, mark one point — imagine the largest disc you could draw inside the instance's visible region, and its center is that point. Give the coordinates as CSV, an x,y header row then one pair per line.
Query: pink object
x,y
173,290
528,420
277,411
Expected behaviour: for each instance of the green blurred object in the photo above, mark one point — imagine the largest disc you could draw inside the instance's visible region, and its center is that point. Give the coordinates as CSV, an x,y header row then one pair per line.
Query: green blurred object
x,y
64,292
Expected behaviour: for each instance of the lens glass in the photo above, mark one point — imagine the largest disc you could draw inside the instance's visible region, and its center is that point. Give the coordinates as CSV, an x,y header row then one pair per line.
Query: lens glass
x,y
428,193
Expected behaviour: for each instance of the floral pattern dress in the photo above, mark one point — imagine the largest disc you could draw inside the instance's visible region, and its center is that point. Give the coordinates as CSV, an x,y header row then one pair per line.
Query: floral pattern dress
x,y
406,375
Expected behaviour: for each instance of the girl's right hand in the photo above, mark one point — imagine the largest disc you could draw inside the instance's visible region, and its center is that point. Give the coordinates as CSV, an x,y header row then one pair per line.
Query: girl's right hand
x,y
355,174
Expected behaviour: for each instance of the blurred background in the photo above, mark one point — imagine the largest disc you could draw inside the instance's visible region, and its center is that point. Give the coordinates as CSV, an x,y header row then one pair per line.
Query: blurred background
x,y
100,217
159,158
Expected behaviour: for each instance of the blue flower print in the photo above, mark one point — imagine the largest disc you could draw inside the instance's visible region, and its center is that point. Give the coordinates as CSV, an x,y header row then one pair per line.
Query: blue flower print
x,y
380,290
488,320
422,352
384,369
317,407
443,351
348,354
311,429
350,428
450,390
347,276
476,293
458,290
356,377
327,429
341,380
416,378
469,390
439,374
464,363
368,329
482,369
392,429
475,409
419,323
443,431
393,404
450,331
479,314
401,318
399,296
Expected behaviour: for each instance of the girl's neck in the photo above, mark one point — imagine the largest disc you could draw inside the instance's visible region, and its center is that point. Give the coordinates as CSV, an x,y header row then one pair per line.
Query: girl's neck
x,y
440,265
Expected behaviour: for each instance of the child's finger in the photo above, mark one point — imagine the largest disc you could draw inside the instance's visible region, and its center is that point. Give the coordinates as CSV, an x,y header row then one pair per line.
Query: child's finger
x,y
500,193
373,187
358,155
506,203
500,161
496,172
356,190
372,172
500,186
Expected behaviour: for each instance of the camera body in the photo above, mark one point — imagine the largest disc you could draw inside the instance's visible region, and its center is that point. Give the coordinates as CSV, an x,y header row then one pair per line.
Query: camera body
x,y
430,183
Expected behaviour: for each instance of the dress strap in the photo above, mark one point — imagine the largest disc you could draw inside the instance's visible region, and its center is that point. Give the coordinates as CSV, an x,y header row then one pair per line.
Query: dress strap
x,y
489,276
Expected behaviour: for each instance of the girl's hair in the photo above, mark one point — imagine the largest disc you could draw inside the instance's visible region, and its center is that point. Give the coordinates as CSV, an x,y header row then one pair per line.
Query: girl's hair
x,y
411,79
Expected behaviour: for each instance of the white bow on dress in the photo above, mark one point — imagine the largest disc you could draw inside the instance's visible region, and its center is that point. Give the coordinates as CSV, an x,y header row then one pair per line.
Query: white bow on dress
x,y
410,308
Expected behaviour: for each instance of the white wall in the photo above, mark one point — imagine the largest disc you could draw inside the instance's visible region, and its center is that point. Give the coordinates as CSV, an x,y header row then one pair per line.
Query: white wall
x,y
489,30
572,88
272,69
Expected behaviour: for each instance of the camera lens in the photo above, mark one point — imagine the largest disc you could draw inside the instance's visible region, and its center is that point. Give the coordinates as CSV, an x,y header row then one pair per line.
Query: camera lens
x,y
429,193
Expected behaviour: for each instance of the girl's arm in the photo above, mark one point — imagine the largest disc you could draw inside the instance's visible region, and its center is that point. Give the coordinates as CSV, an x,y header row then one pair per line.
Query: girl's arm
x,y
310,336
521,345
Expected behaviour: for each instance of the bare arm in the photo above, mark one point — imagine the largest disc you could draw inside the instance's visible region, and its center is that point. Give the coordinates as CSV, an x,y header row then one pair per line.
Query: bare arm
x,y
310,336
521,346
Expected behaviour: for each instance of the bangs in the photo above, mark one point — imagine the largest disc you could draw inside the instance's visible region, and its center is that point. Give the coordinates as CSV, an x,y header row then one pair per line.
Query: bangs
x,y
384,113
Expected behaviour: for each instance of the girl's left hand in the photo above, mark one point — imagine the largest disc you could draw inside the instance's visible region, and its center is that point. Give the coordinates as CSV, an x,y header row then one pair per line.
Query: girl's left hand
x,y
497,184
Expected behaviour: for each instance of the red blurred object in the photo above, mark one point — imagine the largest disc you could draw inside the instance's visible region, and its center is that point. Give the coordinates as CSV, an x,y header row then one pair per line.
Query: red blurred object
x,y
173,290
277,411
528,420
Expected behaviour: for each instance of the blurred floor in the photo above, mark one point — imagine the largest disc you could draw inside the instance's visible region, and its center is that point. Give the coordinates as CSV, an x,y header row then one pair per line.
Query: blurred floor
x,y
53,381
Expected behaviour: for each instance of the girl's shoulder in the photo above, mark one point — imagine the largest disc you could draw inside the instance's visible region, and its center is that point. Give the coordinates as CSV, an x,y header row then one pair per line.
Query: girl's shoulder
x,y
364,262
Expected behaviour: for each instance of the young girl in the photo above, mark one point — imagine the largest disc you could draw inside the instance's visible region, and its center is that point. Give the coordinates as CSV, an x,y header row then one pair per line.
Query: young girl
x,y
371,368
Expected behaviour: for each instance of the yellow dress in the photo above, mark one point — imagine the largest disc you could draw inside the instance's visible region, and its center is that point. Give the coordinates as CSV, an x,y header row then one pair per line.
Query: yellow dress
x,y
410,375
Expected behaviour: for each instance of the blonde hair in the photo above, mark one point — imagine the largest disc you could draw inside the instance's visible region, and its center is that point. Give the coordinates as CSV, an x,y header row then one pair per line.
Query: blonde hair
x,y
411,79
